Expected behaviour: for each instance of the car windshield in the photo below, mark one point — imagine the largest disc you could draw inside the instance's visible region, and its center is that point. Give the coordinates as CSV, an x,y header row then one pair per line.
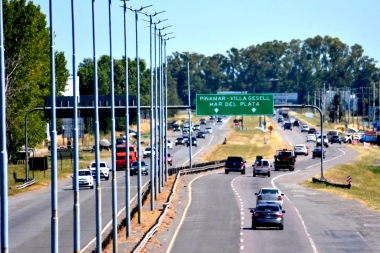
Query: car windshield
x,y
269,191
84,173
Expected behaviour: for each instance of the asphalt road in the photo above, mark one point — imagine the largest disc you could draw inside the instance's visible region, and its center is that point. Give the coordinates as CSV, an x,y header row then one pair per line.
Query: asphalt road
x,y
219,218
30,213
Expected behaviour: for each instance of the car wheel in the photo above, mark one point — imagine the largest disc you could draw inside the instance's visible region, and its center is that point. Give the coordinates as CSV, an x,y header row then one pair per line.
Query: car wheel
x,y
243,172
281,227
253,227
313,157
226,171
91,187
107,178
268,174
254,175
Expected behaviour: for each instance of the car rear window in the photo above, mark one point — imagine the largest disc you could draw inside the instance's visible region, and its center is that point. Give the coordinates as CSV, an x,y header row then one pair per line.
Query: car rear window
x,y
234,159
269,191
267,208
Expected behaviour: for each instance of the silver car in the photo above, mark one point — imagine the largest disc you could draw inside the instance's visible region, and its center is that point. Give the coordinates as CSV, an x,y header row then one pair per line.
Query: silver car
x,y
272,195
134,168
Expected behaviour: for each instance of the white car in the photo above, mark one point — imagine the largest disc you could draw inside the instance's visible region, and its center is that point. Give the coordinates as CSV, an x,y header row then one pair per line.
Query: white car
x,y
311,137
148,152
85,179
270,195
208,130
301,149
305,128
262,167
169,144
197,127
104,170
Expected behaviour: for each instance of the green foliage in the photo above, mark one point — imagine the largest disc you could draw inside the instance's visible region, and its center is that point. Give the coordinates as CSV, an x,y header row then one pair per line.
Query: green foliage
x,y
27,59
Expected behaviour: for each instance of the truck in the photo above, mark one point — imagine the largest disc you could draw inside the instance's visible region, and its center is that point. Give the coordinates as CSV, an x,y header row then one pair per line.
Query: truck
x,y
121,156
285,159
285,113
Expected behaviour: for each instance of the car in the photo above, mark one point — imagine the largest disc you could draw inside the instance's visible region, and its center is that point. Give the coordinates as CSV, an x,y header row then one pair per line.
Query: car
x,y
305,128
234,164
262,167
185,131
185,139
301,149
219,121
193,142
197,127
272,195
148,152
312,130
208,130
203,122
176,128
311,137
296,123
179,141
325,141
317,152
85,179
103,167
134,168
292,119
268,215
279,120
288,125
335,139
201,134
169,144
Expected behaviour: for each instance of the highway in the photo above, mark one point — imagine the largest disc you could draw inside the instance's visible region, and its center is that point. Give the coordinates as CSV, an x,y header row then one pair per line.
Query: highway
x,y
30,213
219,218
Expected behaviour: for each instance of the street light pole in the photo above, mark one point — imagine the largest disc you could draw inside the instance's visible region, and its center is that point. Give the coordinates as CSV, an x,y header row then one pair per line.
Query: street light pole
x,y
152,139
139,199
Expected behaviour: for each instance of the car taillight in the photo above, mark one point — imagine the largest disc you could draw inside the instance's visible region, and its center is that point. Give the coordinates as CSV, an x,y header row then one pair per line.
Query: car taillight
x,y
279,198
279,214
241,165
260,197
256,214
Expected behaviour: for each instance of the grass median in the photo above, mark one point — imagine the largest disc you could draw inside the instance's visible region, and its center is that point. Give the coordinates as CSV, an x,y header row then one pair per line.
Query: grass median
x,y
363,170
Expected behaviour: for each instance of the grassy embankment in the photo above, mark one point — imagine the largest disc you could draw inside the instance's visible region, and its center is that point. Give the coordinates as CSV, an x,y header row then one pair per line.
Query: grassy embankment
x,y
365,175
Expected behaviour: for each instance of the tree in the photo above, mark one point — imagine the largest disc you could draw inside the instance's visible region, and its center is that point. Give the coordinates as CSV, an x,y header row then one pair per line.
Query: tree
x,y
27,67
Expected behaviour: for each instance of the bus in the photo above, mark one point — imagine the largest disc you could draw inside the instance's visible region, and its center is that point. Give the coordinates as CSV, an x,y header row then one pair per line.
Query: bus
x,y
121,156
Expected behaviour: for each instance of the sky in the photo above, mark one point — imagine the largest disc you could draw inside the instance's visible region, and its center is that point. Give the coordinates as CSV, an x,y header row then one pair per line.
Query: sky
x,y
211,27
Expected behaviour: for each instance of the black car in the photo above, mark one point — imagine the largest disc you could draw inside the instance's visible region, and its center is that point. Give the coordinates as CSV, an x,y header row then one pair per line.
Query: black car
x,y
179,141
317,152
201,134
176,128
279,120
268,215
296,123
288,125
203,122
193,142
335,139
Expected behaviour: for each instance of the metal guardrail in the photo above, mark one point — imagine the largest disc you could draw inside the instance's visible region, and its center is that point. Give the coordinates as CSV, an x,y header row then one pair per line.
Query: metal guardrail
x,y
26,184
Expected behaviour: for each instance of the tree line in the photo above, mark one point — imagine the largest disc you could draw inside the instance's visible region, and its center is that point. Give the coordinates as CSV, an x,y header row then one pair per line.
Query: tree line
x,y
301,66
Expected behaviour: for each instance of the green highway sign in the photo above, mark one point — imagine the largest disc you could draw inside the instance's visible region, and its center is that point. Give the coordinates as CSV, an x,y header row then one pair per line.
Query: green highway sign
x,y
234,104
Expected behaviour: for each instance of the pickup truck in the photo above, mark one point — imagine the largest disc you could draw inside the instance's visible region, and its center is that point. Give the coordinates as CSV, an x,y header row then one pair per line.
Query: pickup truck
x,y
284,159
235,164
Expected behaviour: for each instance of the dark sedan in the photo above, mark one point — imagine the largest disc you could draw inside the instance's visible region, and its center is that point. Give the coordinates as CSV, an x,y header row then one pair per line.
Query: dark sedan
x,y
201,134
317,152
268,215
335,139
